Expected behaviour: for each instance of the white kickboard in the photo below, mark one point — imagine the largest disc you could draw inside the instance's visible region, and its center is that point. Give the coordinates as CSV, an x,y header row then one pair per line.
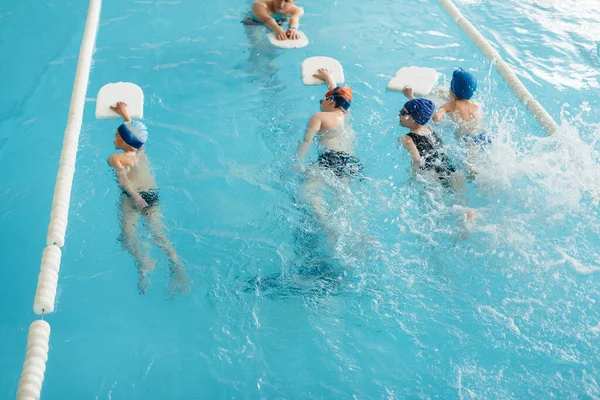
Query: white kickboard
x,y
437,99
420,79
288,44
312,64
127,92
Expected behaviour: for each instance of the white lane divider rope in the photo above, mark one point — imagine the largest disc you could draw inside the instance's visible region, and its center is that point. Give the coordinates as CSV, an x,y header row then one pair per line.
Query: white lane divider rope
x,y
538,111
34,367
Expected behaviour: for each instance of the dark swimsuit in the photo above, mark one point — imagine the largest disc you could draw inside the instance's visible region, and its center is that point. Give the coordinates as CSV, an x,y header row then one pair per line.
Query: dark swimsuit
x,y
150,196
433,158
252,20
342,164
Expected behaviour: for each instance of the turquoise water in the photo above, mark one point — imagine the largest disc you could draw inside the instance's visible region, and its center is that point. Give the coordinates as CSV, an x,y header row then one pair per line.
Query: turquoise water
x,y
275,311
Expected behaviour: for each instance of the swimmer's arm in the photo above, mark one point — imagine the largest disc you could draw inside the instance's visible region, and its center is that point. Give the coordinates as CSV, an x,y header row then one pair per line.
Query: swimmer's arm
x,y
442,93
261,12
325,75
412,150
119,163
330,82
295,18
478,113
443,110
314,125
121,109
408,92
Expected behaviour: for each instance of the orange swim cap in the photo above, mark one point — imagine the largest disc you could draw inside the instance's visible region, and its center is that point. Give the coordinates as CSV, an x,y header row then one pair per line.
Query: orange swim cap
x,y
342,96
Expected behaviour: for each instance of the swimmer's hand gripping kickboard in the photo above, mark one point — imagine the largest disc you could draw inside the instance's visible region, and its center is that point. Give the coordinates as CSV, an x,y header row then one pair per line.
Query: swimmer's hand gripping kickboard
x,y
420,79
112,93
312,64
288,44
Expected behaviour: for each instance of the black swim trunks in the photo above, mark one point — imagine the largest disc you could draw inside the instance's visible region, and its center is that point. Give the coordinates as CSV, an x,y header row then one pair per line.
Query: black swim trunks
x,y
342,164
150,196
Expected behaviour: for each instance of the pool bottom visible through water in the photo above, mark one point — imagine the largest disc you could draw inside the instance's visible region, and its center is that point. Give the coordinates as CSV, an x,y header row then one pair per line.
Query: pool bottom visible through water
x,y
394,296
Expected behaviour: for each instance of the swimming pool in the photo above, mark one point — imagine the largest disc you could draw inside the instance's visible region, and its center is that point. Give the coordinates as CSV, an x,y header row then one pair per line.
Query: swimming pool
x,y
510,312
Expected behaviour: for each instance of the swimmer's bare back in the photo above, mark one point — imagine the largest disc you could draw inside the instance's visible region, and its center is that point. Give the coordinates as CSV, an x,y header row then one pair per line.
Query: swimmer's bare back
x,y
340,138
136,167
141,174
465,114
331,120
459,111
467,110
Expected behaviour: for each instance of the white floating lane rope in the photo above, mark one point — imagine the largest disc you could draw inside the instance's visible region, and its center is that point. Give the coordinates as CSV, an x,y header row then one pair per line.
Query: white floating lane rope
x,y
34,367
62,198
505,70
45,294
62,190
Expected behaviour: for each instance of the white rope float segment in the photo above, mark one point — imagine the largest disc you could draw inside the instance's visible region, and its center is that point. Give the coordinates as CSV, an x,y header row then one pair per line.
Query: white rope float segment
x,y
64,180
538,111
45,293
34,367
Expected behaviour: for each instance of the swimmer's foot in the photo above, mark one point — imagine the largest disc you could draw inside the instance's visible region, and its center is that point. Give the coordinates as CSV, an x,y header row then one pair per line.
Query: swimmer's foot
x,y
470,215
149,264
143,283
144,269
467,223
178,282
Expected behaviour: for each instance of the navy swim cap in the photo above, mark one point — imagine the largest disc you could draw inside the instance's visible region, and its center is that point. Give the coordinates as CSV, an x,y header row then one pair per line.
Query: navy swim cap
x,y
421,110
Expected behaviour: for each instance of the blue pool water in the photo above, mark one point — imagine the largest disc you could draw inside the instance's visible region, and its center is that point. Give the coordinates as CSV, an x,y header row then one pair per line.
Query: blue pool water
x,y
275,311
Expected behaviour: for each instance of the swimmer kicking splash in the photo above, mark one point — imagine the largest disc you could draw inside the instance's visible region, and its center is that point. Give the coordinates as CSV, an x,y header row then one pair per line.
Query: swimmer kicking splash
x,y
335,136
467,115
140,198
427,151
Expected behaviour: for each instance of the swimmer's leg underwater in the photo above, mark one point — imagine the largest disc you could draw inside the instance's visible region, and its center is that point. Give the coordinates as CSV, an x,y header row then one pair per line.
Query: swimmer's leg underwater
x,y
154,219
129,221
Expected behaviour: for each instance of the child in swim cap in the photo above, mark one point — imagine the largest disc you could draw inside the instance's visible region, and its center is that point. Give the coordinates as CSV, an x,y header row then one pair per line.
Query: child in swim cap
x,y
328,124
336,163
422,143
427,150
465,112
140,198
273,14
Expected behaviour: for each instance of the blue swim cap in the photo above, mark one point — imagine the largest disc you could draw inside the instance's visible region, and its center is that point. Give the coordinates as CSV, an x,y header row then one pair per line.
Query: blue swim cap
x,y
421,110
463,84
134,134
